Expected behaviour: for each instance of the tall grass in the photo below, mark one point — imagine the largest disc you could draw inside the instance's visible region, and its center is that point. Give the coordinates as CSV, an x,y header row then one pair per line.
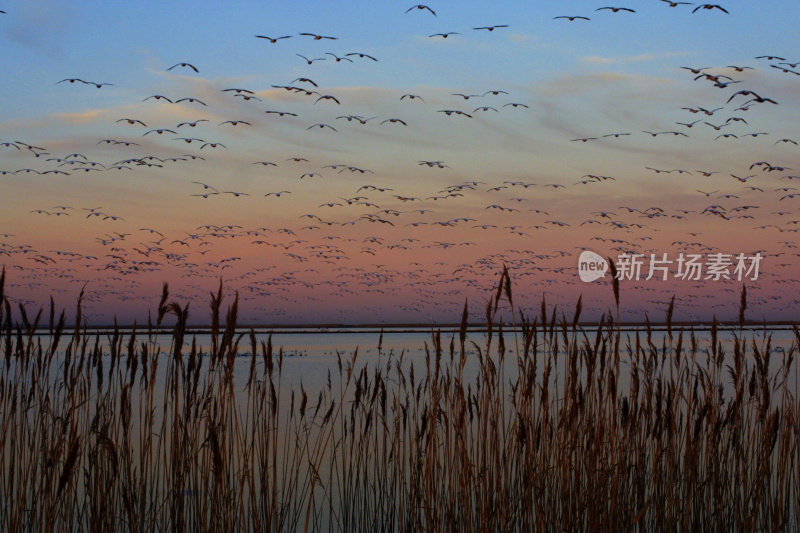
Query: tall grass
x,y
561,429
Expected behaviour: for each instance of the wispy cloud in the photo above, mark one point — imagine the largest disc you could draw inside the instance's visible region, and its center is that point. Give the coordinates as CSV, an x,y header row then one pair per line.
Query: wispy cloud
x,y
571,84
601,60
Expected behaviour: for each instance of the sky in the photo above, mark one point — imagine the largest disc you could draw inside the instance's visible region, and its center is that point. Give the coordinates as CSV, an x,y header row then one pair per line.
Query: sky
x,y
394,176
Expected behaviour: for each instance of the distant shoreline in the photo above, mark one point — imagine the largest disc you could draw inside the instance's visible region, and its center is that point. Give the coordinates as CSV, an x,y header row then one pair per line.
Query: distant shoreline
x,y
343,329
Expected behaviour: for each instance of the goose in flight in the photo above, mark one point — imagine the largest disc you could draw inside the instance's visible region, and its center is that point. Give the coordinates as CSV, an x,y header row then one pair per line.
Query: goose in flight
x,y
132,121
785,70
337,58
319,37
571,18
444,35
305,80
158,97
756,97
449,112
616,9
361,55
709,7
310,61
281,113
160,131
189,65
273,40
695,70
190,100
192,124
98,85
421,7
327,97
491,28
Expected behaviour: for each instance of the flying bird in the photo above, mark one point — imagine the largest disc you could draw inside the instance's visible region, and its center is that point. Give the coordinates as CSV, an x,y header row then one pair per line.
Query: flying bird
x,y
305,80
710,6
184,65
327,97
273,40
319,37
160,131
421,7
190,100
491,28
616,9
192,124
361,55
132,121
310,61
337,58
158,97
281,113
98,85
756,97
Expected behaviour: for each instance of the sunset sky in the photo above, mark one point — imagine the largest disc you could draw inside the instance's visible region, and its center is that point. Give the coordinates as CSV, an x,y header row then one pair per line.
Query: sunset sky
x,y
422,213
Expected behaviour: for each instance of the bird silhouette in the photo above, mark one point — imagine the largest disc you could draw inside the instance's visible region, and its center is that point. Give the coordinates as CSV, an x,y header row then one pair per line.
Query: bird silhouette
x,y
273,40
421,7
189,65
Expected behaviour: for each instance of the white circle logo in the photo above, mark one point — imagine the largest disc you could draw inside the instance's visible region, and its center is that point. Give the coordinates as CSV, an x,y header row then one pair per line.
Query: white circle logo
x,y
591,266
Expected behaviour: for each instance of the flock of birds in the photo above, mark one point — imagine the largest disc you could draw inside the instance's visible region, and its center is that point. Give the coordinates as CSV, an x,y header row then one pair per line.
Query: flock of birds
x,y
412,254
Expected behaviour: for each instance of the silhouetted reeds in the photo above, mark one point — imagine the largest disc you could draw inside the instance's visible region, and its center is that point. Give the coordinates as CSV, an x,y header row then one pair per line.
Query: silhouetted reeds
x,y
565,429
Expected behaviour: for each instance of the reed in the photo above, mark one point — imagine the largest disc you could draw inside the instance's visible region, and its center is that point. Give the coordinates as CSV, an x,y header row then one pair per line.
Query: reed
x,y
565,428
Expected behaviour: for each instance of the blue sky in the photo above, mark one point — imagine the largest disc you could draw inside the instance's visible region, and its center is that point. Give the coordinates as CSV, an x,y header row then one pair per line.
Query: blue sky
x,y
617,73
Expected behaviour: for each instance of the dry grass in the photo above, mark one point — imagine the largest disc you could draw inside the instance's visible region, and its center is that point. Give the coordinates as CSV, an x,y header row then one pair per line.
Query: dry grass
x,y
562,429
